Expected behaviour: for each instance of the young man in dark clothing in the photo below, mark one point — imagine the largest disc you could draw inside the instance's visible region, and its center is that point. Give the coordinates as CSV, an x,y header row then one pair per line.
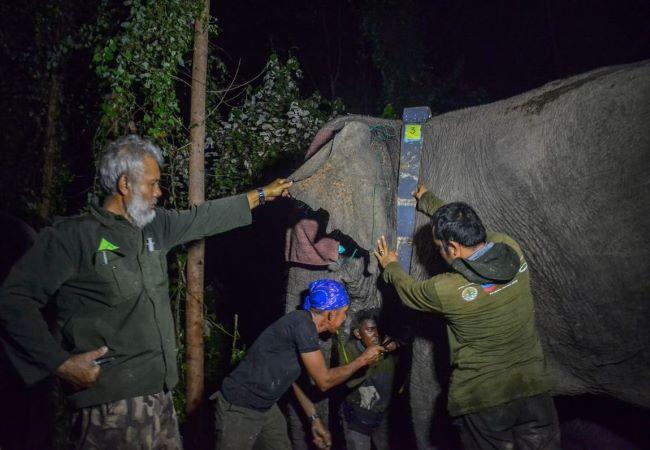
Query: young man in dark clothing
x,y
365,408
499,385
246,410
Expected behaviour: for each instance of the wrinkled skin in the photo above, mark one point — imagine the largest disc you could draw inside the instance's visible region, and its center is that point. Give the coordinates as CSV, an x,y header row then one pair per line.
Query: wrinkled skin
x,y
564,169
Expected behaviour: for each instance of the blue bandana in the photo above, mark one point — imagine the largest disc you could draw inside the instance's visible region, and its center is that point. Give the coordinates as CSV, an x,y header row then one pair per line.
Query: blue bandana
x,y
326,295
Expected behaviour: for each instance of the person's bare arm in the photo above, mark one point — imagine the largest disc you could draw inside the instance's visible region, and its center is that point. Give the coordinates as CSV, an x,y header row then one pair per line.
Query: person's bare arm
x,y
322,436
277,188
326,378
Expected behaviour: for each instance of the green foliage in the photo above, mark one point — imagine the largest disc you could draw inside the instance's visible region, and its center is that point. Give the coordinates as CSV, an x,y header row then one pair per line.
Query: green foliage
x,y
272,123
389,112
140,66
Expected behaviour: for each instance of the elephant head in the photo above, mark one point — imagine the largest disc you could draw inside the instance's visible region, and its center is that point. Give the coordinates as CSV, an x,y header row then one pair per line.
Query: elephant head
x,y
345,194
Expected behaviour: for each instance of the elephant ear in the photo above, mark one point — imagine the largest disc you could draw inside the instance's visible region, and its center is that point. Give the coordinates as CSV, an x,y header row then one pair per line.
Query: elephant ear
x,y
352,179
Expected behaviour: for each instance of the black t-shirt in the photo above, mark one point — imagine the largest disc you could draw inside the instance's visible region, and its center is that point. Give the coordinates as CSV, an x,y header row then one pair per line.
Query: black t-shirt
x,y
272,363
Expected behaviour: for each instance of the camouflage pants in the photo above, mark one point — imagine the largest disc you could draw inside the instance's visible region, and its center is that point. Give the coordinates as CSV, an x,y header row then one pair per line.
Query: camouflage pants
x,y
144,423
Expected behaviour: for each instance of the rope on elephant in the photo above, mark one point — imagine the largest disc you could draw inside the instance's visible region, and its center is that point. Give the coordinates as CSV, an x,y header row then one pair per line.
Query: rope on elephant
x,y
383,133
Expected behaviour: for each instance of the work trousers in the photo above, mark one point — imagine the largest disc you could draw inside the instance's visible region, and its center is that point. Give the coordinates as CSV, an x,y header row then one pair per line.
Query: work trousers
x,y
355,440
528,423
240,428
147,422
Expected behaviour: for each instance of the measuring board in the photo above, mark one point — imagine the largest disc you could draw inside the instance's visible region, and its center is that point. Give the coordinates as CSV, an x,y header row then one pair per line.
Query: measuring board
x,y
409,173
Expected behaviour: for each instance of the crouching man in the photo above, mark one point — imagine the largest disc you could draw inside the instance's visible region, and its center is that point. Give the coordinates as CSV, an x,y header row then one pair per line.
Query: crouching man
x,y
499,385
246,409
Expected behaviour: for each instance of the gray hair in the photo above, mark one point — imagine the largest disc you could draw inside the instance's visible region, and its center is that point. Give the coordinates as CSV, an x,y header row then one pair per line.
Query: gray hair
x,y
125,156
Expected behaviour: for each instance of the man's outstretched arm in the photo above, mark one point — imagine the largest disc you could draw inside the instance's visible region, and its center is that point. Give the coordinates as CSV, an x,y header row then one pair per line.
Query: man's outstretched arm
x,y
427,202
420,295
326,378
215,216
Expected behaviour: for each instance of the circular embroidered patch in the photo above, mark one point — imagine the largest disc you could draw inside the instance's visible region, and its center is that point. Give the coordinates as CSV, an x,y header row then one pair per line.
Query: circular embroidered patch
x,y
469,293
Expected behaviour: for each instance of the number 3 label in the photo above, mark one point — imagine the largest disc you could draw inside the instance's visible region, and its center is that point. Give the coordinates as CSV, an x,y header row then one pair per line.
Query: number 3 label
x,y
412,133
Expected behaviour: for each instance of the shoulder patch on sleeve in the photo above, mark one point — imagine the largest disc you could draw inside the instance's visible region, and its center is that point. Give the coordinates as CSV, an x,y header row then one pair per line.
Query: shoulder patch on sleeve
x,y
469,293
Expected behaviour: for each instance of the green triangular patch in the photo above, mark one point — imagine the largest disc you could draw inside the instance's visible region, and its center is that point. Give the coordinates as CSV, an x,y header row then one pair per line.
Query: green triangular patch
x,y
105,245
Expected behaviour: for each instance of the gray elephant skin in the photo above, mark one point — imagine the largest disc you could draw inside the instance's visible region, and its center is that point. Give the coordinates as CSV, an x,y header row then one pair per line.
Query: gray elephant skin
x,y
564,169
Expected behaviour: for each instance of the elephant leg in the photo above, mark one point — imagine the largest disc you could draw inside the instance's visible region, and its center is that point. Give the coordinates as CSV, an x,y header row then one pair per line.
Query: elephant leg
x,y
424,391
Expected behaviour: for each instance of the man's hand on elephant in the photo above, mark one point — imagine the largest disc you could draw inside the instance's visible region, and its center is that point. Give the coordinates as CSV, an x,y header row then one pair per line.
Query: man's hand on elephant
x,y
80,370
419,191
277,188
322,436
384,256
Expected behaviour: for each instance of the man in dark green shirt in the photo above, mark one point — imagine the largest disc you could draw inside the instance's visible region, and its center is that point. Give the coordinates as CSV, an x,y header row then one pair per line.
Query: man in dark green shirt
x,y
499,385
107,272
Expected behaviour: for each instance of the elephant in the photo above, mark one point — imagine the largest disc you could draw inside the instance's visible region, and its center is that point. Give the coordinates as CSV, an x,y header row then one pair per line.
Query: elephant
x,y
564,169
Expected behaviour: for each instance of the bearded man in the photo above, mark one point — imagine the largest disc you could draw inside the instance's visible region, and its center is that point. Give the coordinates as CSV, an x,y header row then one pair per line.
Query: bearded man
x,y
106,270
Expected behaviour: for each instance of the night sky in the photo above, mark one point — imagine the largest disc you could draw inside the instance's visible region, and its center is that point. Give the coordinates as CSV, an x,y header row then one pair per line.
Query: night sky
x,y
501,47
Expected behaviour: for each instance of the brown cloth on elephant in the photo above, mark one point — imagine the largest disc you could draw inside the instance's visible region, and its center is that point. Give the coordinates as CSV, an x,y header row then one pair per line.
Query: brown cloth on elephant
x,y
304,247
341,176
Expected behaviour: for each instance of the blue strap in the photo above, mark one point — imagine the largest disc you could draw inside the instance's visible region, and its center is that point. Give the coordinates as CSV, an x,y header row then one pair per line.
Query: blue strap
x,y
409,173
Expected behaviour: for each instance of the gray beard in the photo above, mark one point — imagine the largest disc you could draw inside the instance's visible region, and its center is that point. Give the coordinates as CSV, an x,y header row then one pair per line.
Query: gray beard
x,y
139,211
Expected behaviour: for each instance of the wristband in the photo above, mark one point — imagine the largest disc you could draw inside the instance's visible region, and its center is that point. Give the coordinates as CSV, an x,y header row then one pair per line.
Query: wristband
x,y
261,196
314,417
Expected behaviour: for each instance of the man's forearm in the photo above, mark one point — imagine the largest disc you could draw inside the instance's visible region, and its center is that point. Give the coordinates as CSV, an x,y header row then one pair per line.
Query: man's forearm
x,y
418,295
429,203
338,375
31,347
306,404
253,199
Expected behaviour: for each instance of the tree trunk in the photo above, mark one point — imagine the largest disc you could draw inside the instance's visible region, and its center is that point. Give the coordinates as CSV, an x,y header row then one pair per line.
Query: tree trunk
x,y
52,151
195,257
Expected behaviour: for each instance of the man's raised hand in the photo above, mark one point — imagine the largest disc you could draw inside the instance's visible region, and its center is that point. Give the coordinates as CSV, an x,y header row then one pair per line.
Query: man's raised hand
x,y
419,192
383,254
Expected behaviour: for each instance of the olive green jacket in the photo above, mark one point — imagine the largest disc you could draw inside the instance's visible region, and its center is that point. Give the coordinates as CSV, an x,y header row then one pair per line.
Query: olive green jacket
x,y
496,354
109,281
